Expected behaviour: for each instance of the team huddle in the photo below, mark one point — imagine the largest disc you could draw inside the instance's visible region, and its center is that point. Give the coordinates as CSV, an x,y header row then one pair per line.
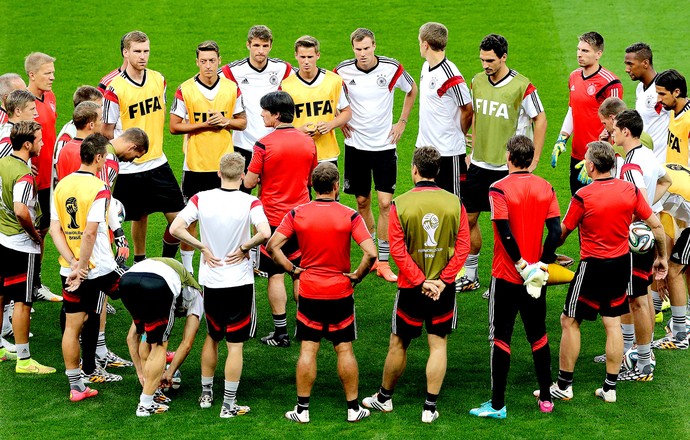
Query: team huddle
x,y
260,122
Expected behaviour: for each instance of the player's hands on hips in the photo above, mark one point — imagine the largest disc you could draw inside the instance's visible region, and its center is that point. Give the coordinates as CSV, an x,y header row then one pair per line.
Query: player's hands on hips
x,y
582,176
347,130
558,149
237,256
354,278
396,132
211,259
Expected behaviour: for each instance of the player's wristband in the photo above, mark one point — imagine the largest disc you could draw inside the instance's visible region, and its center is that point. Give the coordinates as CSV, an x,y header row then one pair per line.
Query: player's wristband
x,y
403,120
244,251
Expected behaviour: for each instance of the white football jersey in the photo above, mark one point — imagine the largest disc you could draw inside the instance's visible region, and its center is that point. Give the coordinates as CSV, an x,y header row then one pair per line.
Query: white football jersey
x,y
254,84
654,116
371,100
442,90
225,217
5,142
643,171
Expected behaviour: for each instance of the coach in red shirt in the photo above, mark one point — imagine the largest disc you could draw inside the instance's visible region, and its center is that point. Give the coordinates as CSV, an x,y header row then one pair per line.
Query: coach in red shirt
x,y
325,308
603,212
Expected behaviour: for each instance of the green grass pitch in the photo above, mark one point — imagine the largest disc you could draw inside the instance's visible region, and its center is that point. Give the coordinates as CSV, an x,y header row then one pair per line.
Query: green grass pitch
x,y
84,37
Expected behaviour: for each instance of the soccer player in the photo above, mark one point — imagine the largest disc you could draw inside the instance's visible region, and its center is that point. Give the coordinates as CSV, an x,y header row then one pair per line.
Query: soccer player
x,y
522,204
9,82
370,144
137,99
79,229
589,85
207,108
226,216
445,107
639,66
150,291
652,181
87,119
430,240
505,104
21,106
672,90
256,75
602,277
20,240
283,160
321,102
108,78
326,306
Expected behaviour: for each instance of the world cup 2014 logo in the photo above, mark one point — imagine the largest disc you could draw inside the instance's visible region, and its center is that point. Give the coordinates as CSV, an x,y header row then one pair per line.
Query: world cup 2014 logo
x,y
71,208
430,225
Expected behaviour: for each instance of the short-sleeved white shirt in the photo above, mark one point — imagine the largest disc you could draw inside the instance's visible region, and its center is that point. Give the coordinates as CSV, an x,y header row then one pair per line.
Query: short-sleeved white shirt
x,y
654,117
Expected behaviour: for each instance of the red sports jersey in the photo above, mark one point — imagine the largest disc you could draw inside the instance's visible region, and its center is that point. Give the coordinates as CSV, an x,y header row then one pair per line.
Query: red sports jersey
x,y
47,116
526,201
284,160
105,81
69,159
603,210
586,95
323,229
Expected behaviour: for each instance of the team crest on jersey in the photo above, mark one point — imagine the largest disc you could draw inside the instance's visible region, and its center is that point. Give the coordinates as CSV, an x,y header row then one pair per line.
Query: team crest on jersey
x,y
432,83
72,208
273,78
651,102
430,224
591,89
381,81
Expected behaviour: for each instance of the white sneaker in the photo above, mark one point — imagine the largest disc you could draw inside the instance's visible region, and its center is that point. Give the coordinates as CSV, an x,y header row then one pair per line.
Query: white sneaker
x,y
227,412
606,396
154,408
373,402
302,417
356,416
9,346
428,416
205,401
43,293
557,393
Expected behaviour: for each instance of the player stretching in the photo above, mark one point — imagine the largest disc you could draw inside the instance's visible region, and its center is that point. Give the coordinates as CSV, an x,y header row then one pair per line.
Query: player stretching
x,y
371,136
506,103
589,85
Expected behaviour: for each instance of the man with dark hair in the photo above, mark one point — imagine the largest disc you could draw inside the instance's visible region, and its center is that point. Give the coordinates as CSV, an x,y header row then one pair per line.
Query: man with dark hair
x,y
321,102
87,119
79,230
505,104
255,76
8,83
21,106
283,160
602,277
20,241
445,107
326,308
652,181
430,240
672,93
207,108
371,137
136,98
639,66
522,204
589,85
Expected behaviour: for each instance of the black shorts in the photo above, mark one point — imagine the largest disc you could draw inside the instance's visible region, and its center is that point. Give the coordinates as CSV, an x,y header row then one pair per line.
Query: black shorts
x,y
361,164
151,303
506,300
475,194
413,309
599,288
330,319
90,296
290,249
19,273
247,154
149,191
681,250
230,313
44,203
194,182
642,268
574,172
452,173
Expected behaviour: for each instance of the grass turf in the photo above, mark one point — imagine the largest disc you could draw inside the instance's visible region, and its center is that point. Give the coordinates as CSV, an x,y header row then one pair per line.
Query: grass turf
x,y
543,36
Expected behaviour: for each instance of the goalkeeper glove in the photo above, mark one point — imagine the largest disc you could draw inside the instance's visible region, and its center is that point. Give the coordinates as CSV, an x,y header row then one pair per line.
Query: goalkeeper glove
x,y
121,245
558,149
582,175
537,275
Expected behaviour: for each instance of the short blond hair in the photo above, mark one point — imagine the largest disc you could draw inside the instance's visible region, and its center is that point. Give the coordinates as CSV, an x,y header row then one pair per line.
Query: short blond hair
x,y
134,37
360,34
435,34
232,166
35,60
307,41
